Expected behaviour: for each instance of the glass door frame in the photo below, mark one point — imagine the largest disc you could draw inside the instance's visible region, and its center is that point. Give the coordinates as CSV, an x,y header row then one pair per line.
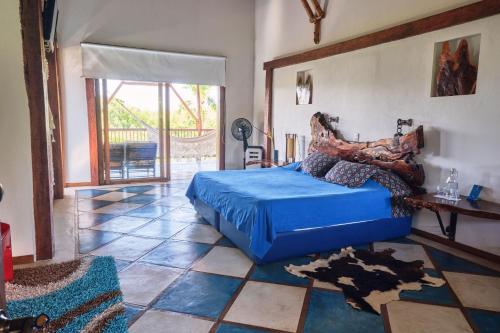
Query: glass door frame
x,y
102,120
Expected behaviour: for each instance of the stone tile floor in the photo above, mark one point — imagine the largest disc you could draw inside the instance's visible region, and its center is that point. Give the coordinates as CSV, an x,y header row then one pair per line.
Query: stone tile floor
x,y
180,275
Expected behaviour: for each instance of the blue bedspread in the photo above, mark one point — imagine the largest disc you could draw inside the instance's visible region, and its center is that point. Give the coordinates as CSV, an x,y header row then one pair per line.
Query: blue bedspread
x,y
264,202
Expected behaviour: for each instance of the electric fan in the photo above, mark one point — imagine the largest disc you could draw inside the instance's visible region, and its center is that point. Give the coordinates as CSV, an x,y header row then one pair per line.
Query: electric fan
x,y
242,130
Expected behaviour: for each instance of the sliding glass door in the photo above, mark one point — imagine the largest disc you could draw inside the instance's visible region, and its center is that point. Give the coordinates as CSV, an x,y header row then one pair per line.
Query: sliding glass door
x,y
132,127
149,131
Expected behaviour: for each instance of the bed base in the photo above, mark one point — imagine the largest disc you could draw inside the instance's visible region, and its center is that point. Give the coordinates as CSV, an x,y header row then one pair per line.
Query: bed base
x,y
300,243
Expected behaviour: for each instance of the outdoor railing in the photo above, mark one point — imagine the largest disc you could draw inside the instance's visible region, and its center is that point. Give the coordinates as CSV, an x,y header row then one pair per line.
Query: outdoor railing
x,y
119,135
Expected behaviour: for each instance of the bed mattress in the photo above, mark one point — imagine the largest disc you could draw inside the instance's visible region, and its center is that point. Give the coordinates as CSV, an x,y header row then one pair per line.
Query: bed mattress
x,y
263,203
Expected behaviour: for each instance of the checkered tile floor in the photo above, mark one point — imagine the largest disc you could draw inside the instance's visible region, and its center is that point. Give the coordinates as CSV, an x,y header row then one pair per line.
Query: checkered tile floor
x,y
178,274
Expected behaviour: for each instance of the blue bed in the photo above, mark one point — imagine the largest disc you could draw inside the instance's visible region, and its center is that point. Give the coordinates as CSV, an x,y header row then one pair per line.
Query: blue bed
x,y
276,213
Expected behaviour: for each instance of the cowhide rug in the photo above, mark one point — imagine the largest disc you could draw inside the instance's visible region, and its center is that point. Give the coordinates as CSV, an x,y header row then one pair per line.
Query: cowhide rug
x,y
368,279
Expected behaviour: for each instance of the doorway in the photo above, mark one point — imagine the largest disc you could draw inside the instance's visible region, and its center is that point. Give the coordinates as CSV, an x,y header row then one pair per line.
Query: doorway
x,y
149,131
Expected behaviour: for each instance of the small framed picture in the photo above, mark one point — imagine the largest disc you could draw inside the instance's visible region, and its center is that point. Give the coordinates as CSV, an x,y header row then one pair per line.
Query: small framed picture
x,y
304,88
474,193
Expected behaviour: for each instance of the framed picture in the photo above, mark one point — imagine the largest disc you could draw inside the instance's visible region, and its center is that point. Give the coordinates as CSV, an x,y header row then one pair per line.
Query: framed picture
x,y
304,88
456,63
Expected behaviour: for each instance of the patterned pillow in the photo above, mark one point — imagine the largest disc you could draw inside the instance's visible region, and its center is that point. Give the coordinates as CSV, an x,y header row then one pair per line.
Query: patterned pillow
x,y
350,174
317,164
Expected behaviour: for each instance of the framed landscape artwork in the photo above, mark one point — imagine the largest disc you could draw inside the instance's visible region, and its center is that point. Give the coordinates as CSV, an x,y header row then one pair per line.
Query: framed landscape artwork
x,y
456,64
304,88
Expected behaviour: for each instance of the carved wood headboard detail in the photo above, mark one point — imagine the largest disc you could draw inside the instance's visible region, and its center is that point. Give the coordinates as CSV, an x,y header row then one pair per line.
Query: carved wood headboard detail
x,y
395,154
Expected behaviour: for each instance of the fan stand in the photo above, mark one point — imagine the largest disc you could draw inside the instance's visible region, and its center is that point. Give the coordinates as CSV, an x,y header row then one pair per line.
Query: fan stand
x,y
245,147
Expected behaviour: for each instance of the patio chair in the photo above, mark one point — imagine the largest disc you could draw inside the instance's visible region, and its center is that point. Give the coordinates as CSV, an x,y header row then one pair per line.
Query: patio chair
x,y
141,156
117,158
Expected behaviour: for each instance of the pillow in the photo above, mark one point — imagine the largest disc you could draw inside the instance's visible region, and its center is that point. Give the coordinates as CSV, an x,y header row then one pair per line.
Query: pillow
x,y
350,174
317,164
393,183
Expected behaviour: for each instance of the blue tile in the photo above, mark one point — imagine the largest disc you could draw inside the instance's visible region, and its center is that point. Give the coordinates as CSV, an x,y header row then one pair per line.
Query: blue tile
x,y
92,239
441,295
132,312
140,199
276,273
86,194
231,328
89,204
329,312
485,321
225,242
177,253
448,262
87,219
199,294
327,254
136,189
149,211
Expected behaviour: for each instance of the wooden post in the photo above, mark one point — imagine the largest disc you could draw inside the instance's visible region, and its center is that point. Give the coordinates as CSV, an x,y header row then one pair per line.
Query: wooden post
x,y
167,130
269,114
33,56
161,130
222,128
92,124
105,121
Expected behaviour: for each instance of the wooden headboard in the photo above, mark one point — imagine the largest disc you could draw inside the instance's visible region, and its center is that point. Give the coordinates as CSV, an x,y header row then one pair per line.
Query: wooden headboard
x,y
395,154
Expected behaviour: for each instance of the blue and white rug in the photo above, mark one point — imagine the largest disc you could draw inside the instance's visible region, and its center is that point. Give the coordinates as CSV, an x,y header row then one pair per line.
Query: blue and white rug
x,y
78,296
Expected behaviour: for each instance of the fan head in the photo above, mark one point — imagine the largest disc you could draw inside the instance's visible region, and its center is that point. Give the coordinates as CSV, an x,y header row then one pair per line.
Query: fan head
x,y
241,129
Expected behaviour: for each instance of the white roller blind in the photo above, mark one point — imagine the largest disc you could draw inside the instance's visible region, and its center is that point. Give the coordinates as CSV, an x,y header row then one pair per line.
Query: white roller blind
x,y
123,63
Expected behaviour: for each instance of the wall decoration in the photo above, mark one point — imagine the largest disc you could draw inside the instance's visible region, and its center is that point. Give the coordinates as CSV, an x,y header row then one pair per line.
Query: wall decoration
x,y
304,88
455,66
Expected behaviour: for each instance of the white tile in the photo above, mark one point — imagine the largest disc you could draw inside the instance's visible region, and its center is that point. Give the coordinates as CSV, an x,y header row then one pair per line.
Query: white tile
x,y
128,248
122,224
163,321
476,291
406,252
408,317
117,208
268,305
141,283
114,196
199,233
225,261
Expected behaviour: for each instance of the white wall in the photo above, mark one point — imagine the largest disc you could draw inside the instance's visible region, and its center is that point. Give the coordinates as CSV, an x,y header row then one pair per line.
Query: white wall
x,y
212,27
15,145
370,88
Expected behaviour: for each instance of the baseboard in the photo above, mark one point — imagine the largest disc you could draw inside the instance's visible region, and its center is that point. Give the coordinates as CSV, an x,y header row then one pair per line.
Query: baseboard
x,y
78,184
459,246
23,260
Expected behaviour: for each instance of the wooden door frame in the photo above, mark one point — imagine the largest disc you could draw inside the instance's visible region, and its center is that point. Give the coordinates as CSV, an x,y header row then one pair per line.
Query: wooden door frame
x,y
461,15
95,146
33,56
54,97
222,128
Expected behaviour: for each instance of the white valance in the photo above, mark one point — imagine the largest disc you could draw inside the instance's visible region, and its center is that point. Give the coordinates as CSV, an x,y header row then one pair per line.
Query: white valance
x,y
123,63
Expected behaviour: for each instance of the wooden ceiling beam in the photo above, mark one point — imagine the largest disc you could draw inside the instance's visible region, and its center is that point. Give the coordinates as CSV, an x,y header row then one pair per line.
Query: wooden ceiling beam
x,y
464,14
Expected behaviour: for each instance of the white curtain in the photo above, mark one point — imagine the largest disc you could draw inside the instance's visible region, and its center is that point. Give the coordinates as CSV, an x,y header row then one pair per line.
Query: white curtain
x,y
123,63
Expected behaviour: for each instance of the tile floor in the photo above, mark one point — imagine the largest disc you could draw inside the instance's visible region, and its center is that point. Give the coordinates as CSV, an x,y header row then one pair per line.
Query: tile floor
x,y
178,274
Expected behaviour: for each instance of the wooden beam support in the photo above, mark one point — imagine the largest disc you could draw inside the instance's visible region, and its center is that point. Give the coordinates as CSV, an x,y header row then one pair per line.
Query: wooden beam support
x,y
33,56
222,128
268,122
93,142
443,20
